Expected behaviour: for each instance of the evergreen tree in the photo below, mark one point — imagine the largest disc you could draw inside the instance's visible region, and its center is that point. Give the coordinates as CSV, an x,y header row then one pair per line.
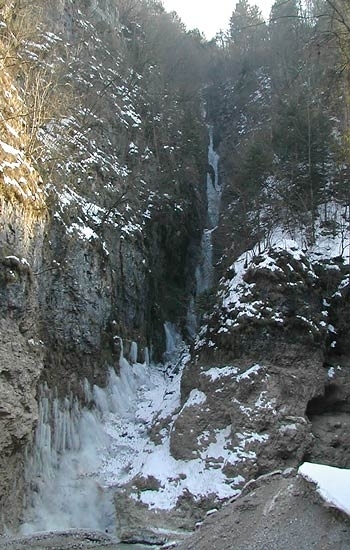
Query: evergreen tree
x,y
247,28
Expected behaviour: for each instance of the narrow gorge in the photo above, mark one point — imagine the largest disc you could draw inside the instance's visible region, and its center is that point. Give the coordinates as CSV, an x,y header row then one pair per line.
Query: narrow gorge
x,y
174,276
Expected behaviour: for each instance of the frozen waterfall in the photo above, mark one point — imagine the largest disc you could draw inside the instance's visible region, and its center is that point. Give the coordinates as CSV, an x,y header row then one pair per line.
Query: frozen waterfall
x,y
82,453
65,471
205,270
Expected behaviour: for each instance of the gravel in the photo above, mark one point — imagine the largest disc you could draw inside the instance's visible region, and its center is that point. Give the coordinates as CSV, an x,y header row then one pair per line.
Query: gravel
x,y
277,513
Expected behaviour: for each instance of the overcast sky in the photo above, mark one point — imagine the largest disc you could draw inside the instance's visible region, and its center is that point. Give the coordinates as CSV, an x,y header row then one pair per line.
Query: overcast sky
x,y
209,16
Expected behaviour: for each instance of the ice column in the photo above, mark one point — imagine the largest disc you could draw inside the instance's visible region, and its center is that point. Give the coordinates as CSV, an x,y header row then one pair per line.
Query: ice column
x,y
66,488
204,271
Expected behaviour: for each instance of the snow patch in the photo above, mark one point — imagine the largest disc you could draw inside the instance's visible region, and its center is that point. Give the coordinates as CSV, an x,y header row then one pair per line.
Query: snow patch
x,y
254,370
196,397
9,149
332,484
220,372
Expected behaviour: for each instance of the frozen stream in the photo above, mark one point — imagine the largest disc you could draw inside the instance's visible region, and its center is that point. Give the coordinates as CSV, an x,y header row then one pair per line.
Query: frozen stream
x,y
82,454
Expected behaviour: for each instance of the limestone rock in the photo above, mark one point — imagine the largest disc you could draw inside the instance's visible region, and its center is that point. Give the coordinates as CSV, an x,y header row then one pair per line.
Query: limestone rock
x,y
20,368
329,414
263,405
261,364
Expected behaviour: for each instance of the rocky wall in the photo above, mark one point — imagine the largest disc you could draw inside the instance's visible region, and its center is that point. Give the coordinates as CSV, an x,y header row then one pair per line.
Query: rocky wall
x,y
21,350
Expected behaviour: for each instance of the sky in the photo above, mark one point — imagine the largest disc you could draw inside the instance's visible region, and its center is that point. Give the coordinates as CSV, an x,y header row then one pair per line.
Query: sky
x,y
209,16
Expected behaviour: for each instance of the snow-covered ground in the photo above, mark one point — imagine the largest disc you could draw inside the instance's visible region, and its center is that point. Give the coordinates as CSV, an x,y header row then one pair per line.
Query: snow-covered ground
x,y
332,484
133,452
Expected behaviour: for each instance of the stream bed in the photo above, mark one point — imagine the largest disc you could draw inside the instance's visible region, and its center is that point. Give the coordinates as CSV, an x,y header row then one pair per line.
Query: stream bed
x,y
65,540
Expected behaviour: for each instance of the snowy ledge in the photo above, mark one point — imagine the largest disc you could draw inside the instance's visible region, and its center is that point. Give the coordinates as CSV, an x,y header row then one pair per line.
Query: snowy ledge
x,y
332,484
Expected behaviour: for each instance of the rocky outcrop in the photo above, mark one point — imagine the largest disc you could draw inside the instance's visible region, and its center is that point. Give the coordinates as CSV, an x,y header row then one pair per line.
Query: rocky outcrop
x,y
22,226
261,370
21,350
263,407
329,410
329,414
134,519
65,540
112,285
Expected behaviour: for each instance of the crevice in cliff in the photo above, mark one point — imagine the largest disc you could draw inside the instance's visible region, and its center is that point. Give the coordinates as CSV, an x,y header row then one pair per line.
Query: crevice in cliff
x,y
329,415
329,402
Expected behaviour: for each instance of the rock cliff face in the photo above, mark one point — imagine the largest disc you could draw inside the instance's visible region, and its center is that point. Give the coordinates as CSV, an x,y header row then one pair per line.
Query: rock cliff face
x,y
22,227
20,370
125,199
270,366
102,243
101,222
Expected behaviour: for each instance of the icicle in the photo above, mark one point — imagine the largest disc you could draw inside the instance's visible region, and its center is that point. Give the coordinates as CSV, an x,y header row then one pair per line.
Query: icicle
x,y
121,356
133,352
67,452
171,337
147,357
204,272
87,390
73,441
213,160
127,379
191,324
173,342
100,399
118,400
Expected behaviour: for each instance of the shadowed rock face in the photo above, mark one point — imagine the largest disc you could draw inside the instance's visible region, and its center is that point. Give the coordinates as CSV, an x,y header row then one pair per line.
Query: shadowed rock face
x,y
90,298
329,415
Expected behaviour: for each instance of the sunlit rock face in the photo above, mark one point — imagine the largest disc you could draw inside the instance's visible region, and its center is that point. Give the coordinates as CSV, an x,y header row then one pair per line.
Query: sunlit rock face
x,y
23,220
21,347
